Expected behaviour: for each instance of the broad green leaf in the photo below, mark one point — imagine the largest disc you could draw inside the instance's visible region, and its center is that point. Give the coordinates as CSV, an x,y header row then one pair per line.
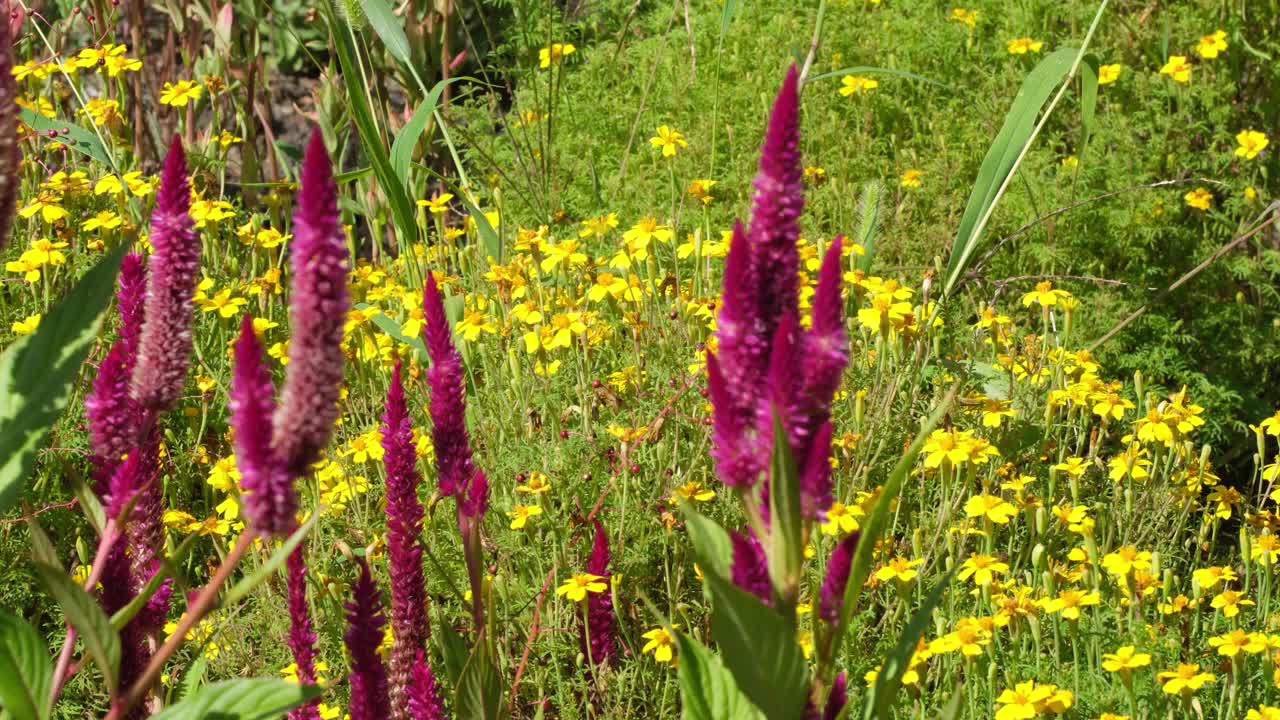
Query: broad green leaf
x,y
874,525
244,699
889,679
26,670
42,549
389,28
407,138
371,141
1002,156
452,648
871,70
274,563
868,217
785,545
36,372
1088,99
88,502
85,615
479,694
710,541
489,236
758,646
726,17
707,690
69,134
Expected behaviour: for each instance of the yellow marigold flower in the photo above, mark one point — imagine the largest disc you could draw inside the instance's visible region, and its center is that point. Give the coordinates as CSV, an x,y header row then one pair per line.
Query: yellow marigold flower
x,y
815,175
1044,294
437,203
691,491
1069,602
1200,199
968,18
1264,712
898,569
1108,74
1238,641
669,139
700,189
598,226
851,85
1125,560
662,644
554,53
537,484
520,515
1211,45
1184,679
473,323
1208,578
1073,466
27,325
982,568
1250,142
1125,660
1265,548
991,507
1023,45
1025,700
1111,405
1177,68
178,95
1229,602
842,519
911,178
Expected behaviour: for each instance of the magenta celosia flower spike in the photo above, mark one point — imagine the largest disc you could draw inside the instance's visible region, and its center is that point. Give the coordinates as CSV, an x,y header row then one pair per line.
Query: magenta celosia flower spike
x,y
130,299
424,693
831,596
269,502
301,639
777,204
409,623
448,397
10,153
164,348
368,677
838,698
318,306
749,569
599,636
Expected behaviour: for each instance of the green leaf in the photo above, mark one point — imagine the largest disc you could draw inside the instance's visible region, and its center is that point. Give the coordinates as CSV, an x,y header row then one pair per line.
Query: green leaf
x,y
192,677
389,28
868,216
1002,157
407,138
1088,100
452,647
726,17
88,501
69,134
42,549
26,670
758,645
244,699
479,694
710,541
889,679
402,212
36,372
875,523
707,690
785,545
85,615
871,70
274,563
489,236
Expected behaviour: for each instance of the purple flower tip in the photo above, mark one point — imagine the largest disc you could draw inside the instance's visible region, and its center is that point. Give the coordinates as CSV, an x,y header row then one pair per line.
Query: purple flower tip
x,y
838,698
599,636
454,465
831,596
424,693
750,568
318,307
164,347
270,504
368,678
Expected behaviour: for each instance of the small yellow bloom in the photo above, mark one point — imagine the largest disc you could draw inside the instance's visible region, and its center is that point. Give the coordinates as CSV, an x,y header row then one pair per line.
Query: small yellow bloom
x,y
1200,199
1211,45
520,515
1177,68
911,178
662,644
26,326
1108,74
178,95
1250,142
1023,45
577,586
851,85
669,139
554,53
